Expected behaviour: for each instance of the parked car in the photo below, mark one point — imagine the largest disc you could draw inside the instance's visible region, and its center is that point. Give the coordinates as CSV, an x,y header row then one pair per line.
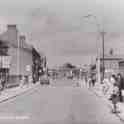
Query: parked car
x,y
44,80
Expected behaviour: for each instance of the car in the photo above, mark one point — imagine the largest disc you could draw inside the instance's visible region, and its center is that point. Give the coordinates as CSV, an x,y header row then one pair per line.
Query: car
x,y
44,80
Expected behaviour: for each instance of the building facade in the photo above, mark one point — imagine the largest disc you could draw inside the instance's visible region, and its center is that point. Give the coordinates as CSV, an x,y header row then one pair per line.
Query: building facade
x,y
111,64
121,67
20,55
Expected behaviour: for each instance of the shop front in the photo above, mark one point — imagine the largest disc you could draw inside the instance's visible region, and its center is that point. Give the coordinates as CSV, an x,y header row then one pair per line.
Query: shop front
x,y
4,70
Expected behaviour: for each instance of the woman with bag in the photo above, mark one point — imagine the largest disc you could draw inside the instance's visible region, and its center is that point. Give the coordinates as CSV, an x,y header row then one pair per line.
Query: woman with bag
x,y
115,94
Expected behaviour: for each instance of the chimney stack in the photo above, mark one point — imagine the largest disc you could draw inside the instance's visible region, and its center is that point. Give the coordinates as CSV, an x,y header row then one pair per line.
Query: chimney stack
x,y
12,33
22,39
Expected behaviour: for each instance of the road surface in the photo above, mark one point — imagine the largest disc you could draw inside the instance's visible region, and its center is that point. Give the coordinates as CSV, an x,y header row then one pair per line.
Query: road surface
x,y
63,82
58,105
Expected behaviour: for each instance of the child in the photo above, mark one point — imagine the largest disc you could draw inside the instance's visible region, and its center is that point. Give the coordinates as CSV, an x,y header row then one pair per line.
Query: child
x,y
115,96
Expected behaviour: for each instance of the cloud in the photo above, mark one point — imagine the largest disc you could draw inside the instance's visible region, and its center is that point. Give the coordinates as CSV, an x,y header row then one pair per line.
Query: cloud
x,y
55,27
54,36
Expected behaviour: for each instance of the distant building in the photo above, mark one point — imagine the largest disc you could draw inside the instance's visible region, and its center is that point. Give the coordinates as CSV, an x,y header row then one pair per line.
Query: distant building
x,y
121,67
111,63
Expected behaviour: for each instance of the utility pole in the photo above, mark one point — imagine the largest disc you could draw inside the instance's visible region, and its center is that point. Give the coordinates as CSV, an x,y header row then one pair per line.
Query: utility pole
x,y
98,67
103,55
102,34
18,55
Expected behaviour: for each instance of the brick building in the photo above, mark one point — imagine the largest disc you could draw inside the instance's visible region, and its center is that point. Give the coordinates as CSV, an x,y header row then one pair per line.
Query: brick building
x,y
19,54
111,63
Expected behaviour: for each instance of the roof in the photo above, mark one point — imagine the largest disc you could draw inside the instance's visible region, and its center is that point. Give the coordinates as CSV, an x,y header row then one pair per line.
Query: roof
x,y
112,57
6,37
122,61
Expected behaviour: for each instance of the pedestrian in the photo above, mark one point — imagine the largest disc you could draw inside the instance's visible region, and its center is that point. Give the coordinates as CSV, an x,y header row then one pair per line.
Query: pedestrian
x,y
115,92
115,95
93,80
109,88
3,81
77,84
1,87
85,79
90,82
106,84
120,86
112,81
22,81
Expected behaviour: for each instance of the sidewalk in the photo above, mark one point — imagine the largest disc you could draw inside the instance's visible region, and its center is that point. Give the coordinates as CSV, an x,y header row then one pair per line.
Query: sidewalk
x,y
98,91
13,92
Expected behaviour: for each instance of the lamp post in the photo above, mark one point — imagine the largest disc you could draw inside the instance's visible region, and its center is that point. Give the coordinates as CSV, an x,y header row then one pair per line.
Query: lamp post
x,y
102,34
18,55
103,56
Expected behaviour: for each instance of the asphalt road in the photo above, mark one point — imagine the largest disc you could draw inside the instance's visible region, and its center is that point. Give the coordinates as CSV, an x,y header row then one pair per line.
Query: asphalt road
x,y
63,82
58,105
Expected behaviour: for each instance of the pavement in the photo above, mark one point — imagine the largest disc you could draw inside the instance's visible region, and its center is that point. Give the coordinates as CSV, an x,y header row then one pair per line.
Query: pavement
x,y
63,82
120,106
70,105
57,105
16,91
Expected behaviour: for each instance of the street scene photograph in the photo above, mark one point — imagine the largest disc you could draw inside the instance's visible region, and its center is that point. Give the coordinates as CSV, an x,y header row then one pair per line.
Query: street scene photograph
x,y
62,62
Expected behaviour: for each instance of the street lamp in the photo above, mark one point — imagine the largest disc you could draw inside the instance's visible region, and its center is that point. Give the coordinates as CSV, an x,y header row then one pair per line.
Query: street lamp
x,y
102,34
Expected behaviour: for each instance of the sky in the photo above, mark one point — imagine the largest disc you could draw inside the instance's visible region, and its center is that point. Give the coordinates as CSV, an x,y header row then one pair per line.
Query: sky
x,y
59,30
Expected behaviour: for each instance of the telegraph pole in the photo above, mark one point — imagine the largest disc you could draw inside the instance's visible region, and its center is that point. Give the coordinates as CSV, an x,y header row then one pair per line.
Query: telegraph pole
x,y
102,34
103,55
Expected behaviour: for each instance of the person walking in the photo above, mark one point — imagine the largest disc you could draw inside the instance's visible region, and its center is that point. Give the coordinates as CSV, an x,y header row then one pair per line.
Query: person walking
x,y
105,86
115,95
90,81
112,81
85,80
93,80
120,86
1,87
